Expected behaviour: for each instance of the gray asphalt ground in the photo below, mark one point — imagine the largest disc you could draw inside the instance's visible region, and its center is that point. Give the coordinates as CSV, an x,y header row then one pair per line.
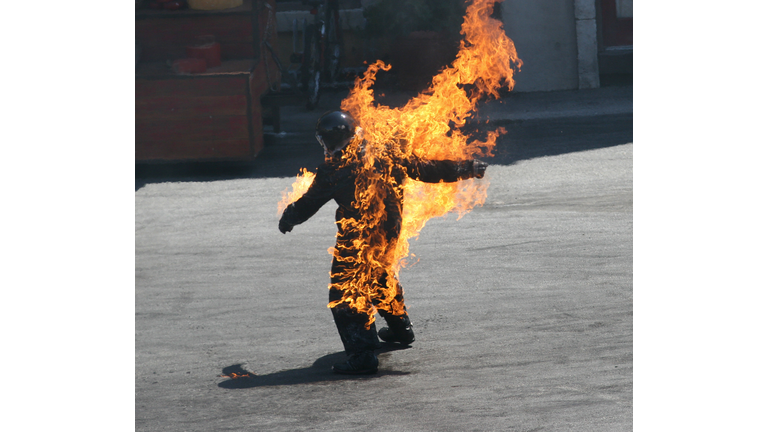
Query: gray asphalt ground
x,y
522,308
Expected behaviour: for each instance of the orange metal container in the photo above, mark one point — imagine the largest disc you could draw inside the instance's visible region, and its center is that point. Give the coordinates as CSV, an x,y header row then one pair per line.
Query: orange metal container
x,y
210,52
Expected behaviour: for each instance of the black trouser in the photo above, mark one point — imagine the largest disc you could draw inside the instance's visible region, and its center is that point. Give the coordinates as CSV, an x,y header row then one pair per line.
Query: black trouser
x,y
351,326
351,323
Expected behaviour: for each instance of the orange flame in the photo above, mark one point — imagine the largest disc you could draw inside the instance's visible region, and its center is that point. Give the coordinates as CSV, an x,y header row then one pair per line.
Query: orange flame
x,y
236,375
300,186
428,127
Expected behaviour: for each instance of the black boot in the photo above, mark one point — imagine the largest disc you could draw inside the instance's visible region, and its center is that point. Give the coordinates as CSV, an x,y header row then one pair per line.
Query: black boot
x,y
400,330
360,363
352,331
358,341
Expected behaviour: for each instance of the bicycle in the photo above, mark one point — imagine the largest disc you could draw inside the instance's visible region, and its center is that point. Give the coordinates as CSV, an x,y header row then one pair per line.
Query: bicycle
x,y
323,48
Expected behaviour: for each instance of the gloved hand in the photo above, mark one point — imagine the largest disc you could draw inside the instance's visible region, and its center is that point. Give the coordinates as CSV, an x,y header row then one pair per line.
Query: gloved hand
x,y
284,226
478,168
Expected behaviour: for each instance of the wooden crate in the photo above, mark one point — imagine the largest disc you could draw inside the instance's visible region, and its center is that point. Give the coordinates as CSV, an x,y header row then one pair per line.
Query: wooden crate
x,y
215,115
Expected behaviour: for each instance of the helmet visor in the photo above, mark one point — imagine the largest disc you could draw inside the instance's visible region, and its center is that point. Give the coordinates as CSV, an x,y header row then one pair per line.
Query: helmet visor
x,y
332,145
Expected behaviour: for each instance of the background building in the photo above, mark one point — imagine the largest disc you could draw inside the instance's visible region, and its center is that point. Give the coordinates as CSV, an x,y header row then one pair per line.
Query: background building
x,y
564,44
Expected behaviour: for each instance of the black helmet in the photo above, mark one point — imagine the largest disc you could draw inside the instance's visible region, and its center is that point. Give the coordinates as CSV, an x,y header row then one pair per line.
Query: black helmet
x,y
335,130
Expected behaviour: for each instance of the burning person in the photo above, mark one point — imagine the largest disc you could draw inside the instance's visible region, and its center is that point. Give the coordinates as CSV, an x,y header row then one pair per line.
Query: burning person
x,y
366,181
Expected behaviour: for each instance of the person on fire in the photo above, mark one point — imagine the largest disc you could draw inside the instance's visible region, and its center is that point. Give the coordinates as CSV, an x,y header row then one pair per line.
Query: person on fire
x,y
365,252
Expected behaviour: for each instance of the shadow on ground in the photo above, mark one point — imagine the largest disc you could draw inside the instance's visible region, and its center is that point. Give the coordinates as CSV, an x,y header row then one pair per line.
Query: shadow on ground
x,y
529,139
320,371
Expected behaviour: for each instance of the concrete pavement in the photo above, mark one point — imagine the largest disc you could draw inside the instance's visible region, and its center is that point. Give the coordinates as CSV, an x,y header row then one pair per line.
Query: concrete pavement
x,y
522,308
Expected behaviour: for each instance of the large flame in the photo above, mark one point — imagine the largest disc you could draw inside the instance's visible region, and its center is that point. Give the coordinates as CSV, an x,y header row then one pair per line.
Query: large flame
x,y
429,127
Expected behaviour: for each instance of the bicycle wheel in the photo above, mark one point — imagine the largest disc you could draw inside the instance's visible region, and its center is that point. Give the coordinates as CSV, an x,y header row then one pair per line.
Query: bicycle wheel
x,y
314,89
334,61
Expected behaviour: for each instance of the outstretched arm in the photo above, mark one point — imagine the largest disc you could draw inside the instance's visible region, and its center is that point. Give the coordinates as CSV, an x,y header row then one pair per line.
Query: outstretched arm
x,y
434,171
305,207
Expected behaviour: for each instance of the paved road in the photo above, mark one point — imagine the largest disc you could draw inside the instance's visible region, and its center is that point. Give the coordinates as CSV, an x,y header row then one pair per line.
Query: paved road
x,y
522,308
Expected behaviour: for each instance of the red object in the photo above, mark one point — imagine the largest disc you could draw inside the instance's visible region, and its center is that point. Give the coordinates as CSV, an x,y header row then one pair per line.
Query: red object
x,y
182,118
189,66
616,31
155,5
211,53
212,116
173,5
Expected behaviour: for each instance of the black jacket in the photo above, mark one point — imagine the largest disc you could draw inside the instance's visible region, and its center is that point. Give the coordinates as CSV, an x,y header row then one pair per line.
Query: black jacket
x,y
336,181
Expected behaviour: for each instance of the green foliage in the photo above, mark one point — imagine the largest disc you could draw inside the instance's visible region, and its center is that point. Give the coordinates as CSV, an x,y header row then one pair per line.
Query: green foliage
x,y
392,18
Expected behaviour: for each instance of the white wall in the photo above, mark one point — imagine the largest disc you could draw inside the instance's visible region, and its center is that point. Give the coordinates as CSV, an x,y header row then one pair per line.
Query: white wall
x,y
544,33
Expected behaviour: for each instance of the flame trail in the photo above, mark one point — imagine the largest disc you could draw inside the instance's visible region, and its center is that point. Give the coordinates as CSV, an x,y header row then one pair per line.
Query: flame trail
x,y
300,186
428,127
